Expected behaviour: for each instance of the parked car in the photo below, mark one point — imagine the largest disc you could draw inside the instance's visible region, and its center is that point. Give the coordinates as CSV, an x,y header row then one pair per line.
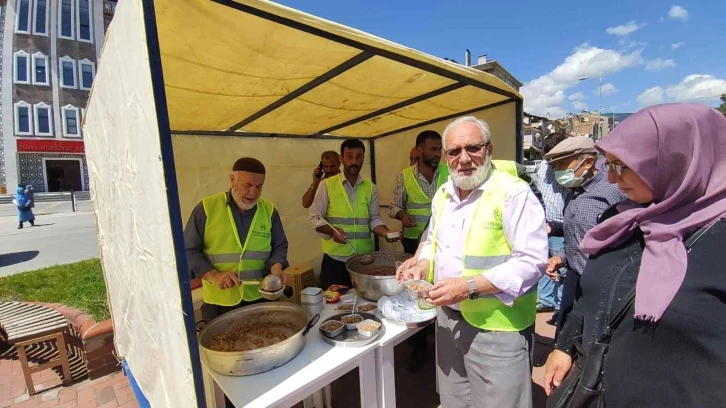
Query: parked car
x,y
530,166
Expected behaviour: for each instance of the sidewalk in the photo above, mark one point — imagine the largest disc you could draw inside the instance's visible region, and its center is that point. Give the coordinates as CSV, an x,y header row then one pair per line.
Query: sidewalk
x,y
106,392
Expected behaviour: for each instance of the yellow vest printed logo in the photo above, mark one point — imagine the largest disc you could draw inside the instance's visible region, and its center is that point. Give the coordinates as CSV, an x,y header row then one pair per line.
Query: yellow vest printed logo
x,y
227,254
353,220
418,204
485,248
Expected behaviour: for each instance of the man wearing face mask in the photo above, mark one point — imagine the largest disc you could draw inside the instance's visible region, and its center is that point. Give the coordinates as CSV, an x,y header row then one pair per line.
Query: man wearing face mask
x,y
589,195
234,239
485,251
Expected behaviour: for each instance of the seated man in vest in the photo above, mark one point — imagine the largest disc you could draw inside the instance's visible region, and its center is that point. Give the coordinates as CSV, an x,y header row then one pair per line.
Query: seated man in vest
x,y
416,186
234,239
485,251
349,203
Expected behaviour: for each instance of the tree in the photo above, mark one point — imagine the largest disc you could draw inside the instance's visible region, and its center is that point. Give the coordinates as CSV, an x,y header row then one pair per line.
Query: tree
x,y
722,108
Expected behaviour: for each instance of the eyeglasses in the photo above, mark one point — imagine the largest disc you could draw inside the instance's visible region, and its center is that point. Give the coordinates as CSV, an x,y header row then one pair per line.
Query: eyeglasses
x,y
472,150
616,167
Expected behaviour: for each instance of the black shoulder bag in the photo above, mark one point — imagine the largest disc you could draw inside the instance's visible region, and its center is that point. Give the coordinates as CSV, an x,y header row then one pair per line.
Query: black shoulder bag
x,y
582,387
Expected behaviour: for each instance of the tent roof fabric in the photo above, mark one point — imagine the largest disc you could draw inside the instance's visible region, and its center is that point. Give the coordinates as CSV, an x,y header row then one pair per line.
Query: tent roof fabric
x,y
258,67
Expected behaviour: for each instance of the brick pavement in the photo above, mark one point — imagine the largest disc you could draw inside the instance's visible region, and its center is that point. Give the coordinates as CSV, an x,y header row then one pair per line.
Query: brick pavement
x,y
106,392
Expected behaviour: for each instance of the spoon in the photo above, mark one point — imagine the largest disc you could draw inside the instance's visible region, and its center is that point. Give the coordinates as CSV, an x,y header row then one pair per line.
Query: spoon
x,y
363,259
355,299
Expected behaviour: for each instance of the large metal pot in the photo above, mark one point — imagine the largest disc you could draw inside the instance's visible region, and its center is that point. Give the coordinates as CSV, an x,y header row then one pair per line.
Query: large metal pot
x,y
374,287
240,363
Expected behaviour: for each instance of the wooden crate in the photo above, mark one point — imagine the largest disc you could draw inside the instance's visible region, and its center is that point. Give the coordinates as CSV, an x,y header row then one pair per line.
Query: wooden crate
x,y
300,277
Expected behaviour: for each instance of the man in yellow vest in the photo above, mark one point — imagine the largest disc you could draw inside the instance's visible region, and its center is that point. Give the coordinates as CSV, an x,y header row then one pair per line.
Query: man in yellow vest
x,y
234,239
349,203
485,251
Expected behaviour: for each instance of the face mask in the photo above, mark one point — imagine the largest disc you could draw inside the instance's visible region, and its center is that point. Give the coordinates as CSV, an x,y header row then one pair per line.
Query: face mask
x,y
567,178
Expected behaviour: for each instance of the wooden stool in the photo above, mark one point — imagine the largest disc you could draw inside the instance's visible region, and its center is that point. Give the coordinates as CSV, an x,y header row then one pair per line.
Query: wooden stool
x,y
27,324
300,277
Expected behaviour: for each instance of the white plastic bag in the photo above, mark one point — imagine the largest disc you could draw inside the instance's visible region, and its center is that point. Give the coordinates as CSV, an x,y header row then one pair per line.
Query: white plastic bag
x,y
402,308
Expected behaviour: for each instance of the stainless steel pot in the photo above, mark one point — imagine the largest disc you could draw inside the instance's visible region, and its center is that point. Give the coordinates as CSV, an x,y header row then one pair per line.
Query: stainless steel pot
x,y
374,287
240,363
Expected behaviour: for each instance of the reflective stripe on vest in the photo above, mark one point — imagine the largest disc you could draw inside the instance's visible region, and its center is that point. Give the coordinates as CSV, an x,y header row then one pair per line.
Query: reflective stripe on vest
x,y
485,247
418,204
507,166
224,250
353,220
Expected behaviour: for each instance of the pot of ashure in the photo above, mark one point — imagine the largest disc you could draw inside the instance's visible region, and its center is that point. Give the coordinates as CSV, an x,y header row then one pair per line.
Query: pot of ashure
x,y
254,339
377,279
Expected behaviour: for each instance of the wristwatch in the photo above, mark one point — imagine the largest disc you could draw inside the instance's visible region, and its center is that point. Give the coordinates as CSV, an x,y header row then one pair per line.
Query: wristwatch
x,y
473,292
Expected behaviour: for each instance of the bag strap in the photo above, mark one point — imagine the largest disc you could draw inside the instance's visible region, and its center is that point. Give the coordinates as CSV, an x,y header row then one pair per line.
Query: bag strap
x,y
613,323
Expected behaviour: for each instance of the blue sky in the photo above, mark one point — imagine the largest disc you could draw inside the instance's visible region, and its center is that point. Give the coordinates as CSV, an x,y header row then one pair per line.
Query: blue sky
x,y
647,51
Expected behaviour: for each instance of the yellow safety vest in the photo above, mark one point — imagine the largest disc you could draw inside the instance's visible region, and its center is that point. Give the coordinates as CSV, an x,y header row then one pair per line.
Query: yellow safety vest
x,y
485,247
354,221
507,166
224,250
418,204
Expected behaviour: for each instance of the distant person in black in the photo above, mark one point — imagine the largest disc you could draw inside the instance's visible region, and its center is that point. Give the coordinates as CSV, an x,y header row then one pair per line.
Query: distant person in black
x,y
670,349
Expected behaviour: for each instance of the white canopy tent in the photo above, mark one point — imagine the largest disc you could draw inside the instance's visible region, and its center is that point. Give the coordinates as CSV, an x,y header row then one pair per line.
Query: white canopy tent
x,y
184,88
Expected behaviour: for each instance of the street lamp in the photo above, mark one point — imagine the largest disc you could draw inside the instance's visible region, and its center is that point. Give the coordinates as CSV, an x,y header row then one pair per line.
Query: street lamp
x,y
705,97
599,104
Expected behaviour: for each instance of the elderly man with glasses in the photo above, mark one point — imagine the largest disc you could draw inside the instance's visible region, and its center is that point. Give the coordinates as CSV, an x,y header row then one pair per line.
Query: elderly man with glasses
x,y
485,250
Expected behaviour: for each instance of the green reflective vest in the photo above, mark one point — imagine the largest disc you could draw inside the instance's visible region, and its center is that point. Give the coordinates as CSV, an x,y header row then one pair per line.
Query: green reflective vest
x,y
418,204
485,247
353,220
224,250
507,166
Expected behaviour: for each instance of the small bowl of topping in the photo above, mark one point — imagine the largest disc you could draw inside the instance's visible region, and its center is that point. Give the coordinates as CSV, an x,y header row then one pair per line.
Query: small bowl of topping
x,y
418,289
366,308
351,320
345,307
332,328
368,328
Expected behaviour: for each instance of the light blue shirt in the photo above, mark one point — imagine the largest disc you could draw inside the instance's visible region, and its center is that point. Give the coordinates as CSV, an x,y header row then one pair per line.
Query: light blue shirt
x,y
553,195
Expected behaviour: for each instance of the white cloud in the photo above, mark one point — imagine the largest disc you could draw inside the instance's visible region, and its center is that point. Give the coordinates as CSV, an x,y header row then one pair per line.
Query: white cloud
x,y
576,96
678,12
546,93
677,45
652,96
625,29
659,64
579,106
607,89
693,86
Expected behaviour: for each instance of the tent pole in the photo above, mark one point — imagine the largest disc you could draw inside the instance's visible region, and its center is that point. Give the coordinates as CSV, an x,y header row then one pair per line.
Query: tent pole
x,y
372,150
518,137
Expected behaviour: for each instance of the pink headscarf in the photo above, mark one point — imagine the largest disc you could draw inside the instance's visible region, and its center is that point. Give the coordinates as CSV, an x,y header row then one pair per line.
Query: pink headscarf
x,y
679,151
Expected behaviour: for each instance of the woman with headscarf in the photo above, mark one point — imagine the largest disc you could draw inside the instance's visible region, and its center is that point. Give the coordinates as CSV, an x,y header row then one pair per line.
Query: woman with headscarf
x,y
670,162
23,203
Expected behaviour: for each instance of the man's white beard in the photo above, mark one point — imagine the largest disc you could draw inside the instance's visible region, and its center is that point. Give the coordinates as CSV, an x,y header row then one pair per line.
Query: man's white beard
x,y
240,203
469,183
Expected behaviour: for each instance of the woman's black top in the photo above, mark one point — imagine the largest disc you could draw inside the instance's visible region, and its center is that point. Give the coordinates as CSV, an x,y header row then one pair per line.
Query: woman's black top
x,y
679,361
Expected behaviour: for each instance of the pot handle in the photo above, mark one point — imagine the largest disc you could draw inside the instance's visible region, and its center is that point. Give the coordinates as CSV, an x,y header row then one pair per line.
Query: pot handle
x,y
312,323
200,325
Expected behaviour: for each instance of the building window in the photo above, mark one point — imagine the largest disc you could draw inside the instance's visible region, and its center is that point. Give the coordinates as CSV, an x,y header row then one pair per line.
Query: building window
x,y
86,72
22,67
22,119
65,19
22,17
40,24
84,20
70,121
40,69
68,72
43,126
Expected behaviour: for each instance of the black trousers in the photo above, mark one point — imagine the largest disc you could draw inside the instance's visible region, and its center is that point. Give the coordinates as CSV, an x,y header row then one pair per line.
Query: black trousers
x,y
570,293
410,245
333,272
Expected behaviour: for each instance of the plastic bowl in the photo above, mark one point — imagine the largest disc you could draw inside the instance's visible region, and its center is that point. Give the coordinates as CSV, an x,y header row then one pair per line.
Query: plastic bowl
x,y
368,333
332,333
351,326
